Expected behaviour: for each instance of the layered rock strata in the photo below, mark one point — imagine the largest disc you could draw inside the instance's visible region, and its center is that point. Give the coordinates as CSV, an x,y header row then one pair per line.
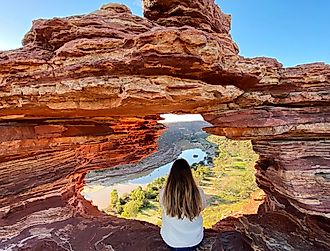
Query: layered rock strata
x,y
286,115
84,93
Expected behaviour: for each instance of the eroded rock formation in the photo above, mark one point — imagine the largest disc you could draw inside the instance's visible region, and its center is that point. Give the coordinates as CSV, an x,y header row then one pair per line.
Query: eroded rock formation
x,y
85,92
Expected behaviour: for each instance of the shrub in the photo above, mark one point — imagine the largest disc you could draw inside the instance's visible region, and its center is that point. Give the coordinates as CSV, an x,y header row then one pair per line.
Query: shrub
x,y
131,209
119,208
138,195
114,198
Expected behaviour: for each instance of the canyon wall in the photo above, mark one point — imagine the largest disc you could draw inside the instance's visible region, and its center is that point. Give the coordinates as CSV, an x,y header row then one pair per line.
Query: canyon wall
x,y
85,92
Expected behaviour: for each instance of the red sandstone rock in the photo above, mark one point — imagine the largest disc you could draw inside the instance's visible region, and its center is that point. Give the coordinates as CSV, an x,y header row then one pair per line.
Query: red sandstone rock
x,y
82,93
203,15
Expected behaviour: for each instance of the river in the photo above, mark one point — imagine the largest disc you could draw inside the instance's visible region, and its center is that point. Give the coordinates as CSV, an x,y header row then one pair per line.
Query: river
x,y
100,194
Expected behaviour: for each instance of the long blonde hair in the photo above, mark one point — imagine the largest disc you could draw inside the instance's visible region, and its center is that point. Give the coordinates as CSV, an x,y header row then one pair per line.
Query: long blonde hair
x,y
181,195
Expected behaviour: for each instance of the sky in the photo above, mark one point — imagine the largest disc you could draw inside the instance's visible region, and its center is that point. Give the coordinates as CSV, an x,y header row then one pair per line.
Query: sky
x,y
293,31
172,118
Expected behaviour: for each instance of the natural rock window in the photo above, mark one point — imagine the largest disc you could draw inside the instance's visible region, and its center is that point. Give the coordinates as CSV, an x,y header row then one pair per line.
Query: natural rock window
x,y
84,93
224,168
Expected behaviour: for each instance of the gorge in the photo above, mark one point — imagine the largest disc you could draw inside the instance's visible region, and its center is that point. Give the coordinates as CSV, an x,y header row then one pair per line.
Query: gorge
x,y
223,168
85,93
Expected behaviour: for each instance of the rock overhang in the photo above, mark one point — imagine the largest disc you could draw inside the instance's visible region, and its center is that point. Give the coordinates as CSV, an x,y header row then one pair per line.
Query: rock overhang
x,y
84,91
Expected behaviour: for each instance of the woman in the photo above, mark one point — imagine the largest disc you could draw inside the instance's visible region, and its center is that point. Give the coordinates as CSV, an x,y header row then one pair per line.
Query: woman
x,y
182,203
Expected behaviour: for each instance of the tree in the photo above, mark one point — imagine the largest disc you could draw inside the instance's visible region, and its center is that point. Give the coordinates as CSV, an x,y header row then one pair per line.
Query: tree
x,y
131,209
151,194
114,198
139,196
119,207
124,199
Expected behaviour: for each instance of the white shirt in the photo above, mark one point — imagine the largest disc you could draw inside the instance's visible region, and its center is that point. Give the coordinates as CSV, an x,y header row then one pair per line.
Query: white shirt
x,y
180,233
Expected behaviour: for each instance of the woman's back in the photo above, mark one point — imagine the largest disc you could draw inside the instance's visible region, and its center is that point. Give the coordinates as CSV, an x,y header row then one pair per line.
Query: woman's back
x,y
182,203
182,232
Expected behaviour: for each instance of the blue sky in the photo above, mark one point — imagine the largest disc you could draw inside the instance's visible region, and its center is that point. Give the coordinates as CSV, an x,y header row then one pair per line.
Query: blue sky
x,y
293,31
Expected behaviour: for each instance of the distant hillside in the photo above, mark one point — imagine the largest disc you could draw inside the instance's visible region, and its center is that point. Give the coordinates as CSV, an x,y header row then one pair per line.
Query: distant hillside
x,y
175,139
177,132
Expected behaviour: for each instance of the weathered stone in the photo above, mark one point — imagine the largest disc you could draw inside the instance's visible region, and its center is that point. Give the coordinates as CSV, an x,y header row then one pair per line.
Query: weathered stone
x,y
204,15
85,92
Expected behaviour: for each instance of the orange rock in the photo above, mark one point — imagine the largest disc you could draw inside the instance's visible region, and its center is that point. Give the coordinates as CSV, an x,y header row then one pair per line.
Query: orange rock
x,y
85,92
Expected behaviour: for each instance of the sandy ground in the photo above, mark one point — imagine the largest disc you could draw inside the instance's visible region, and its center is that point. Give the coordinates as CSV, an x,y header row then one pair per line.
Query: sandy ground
x,y
100,195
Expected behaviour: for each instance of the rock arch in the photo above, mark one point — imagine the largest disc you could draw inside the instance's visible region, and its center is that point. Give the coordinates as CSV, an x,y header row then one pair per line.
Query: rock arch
x,y
85,92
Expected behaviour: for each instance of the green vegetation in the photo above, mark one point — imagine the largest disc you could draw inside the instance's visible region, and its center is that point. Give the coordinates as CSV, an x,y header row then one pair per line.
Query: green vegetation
x,y
114,199
233,179
138,201
228,186
201,173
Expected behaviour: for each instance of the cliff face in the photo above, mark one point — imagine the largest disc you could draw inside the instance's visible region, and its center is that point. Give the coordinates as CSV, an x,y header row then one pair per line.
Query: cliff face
x,y
287,119
85,92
